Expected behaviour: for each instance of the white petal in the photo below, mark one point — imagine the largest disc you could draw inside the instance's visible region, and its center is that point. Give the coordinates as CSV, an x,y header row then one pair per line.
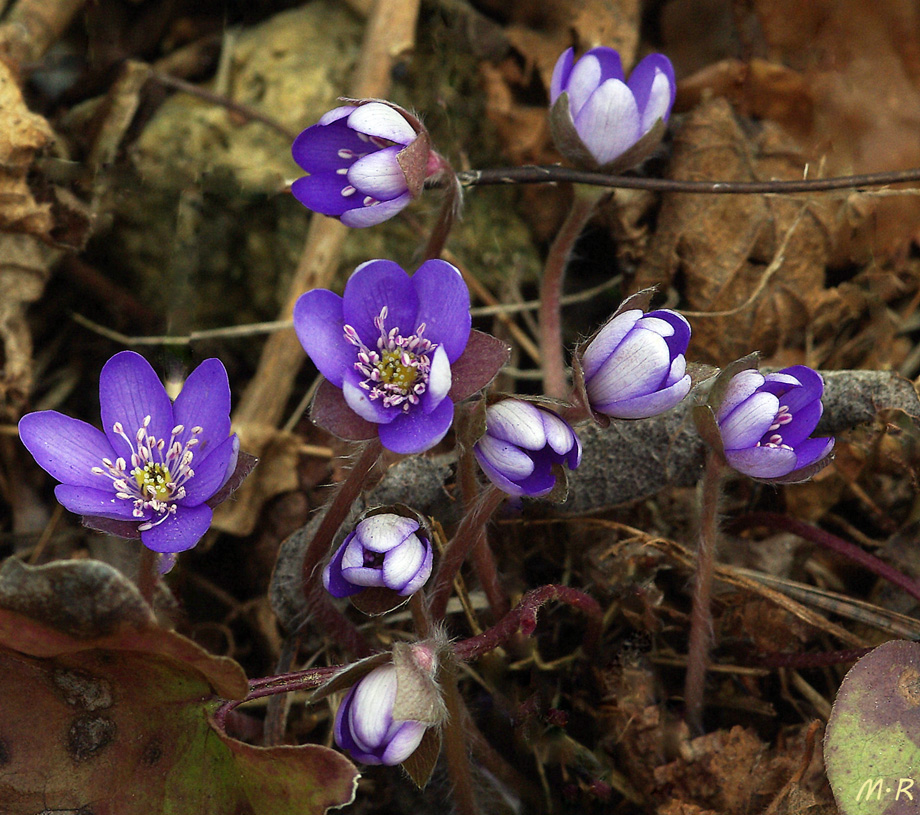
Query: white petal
x,y
381,533
607,340
609,122
374,213
583,81
742,385
658,101
372,707
747,423
378,174
518,423
509,460
639,366
377,119
439,377
401,564
559,436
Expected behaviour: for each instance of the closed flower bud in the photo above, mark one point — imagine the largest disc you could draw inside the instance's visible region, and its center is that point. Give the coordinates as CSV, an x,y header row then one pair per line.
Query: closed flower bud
x,y
384,551
364,723
635,366
365,162
522,445
765,421
601,121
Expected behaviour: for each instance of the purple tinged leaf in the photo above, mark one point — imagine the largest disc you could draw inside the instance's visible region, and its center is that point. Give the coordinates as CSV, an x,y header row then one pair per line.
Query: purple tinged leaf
x,y
478,365
331,412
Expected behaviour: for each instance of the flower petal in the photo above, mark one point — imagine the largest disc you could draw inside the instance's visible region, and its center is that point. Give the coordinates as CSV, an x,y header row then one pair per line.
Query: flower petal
x,y
417,431
382,121
762,462
443,306
317,149
179,532
403,743
812,450
517,422
439,381
741,386
373,286
639,366
372,707
561,72
607,340
679,338
803,423
65,448
746,425
375,213
381,533
371,410
401,564
652,83
609,122
129,391
509,460
421,576
102,503
651,404
590,72
333,580
320,328
378,174
210,472
204,402
323,194
812,387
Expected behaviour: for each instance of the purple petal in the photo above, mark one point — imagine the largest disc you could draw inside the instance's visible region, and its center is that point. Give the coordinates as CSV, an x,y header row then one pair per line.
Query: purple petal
x,y
102,503
561,72
742,385
371,410
317,148
679,339
590,72
204,402
443,306
812,450
421,576
210,472
129,391
180,531
803,423
607,340
378,174
677,372
494,475
609,122
243,464
335,584
401,564
746,425
543,479
323,194
65,448
416,431
370,716
518,423
403,743
439,381
320,328
373,214
762,462
382,121
381,533
653,85
609,60
373,285
505,458
642,407
812,387
639,366
559,435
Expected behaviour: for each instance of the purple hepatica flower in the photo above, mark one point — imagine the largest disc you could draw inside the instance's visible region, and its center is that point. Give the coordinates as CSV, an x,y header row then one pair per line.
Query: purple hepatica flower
x,y
601,121
765,421
521,445
365,162
158,463
364,723
389,345
383,551
635,366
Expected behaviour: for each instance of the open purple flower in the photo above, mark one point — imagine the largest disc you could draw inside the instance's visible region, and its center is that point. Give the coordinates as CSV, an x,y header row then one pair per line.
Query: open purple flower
x,y
635,366
156,466
397,352
364,723
523,446
601,121
383,551
365,161
765,421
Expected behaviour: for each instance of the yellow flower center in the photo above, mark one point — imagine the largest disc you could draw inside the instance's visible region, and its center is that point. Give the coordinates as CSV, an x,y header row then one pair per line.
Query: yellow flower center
x,y
155,481
394,372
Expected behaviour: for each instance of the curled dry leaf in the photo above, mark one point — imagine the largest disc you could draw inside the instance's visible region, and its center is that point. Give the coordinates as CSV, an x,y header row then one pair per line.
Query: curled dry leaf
x,y
118,719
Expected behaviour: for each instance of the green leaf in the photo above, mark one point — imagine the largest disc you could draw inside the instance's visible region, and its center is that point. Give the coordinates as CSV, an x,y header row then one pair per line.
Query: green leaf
x,y
104,712
872,743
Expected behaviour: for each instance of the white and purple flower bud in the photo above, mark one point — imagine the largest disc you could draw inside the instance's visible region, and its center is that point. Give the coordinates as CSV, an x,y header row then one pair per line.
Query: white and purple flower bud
x,y
634,367
365,162
600,120
765,420
384,551
365,726
523,447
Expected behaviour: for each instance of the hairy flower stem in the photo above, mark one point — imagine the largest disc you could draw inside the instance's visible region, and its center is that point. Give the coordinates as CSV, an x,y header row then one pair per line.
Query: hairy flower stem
x,y
147,574
459,547
701,613
551,348
456,742
321,609
523,618
450,206
842,547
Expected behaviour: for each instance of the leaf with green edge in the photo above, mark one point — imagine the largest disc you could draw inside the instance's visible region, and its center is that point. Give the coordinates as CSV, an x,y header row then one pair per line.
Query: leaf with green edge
x,y
872,743
103,712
